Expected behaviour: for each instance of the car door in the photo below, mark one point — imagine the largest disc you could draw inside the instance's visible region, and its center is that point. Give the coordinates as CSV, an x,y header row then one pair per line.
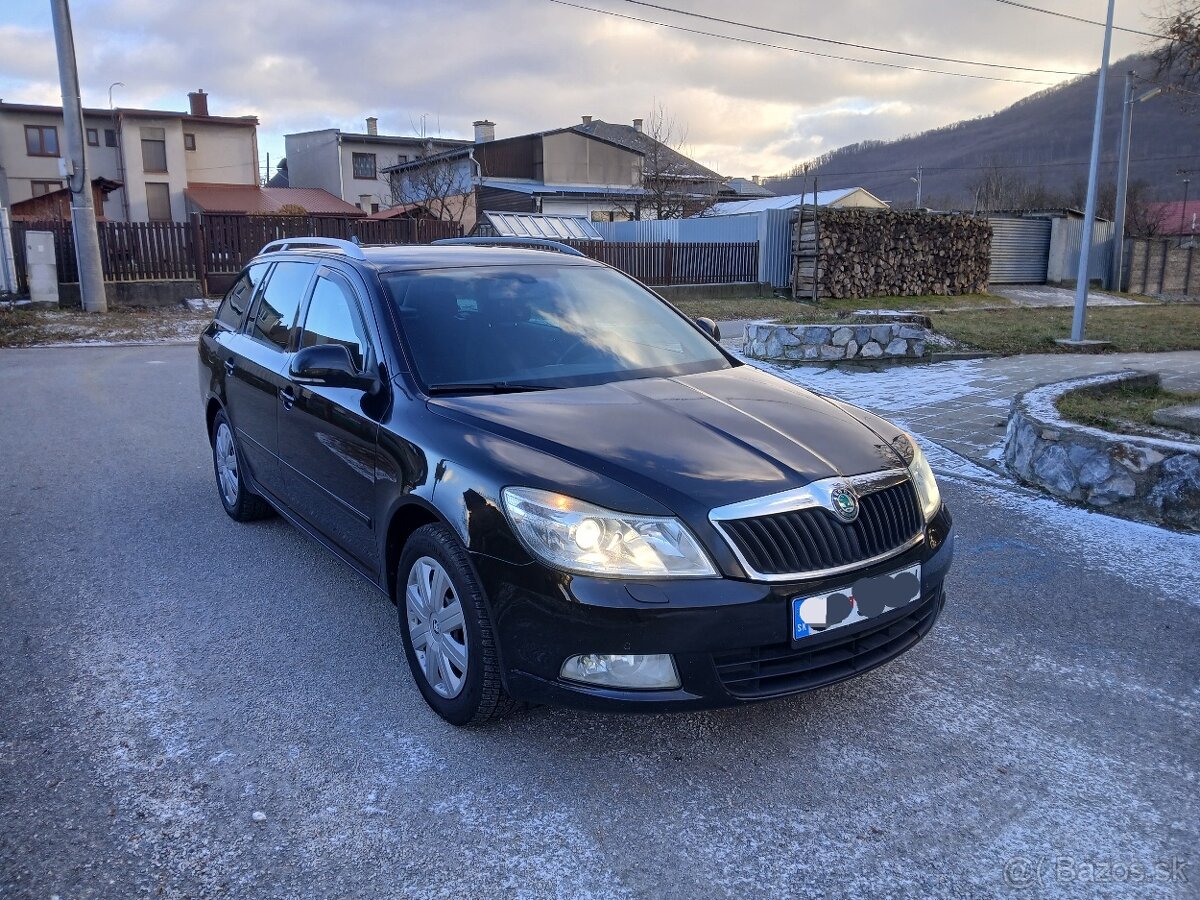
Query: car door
x,y
255,371
328,435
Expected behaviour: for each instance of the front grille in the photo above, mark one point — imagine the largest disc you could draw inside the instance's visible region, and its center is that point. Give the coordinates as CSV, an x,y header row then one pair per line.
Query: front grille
x,y
780,669
813,539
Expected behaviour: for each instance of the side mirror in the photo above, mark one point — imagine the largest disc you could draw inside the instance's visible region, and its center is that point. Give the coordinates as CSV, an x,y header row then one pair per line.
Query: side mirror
x,y
330,365
709,327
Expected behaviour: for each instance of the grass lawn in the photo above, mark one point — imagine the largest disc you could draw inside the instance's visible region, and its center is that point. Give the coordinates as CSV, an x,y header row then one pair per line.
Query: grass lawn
x,y
1131,329
33,327
1123,409
794,311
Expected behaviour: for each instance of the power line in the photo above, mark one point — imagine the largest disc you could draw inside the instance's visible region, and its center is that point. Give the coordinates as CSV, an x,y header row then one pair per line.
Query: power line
x,y
981,167
825,40
1063,15
729,37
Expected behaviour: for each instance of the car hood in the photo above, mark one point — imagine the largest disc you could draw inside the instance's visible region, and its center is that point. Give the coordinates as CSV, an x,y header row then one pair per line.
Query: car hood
x,y
692,442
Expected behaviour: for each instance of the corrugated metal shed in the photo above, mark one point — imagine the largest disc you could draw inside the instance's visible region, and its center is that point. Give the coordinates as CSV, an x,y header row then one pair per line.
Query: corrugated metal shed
x,y
543,225
1020,251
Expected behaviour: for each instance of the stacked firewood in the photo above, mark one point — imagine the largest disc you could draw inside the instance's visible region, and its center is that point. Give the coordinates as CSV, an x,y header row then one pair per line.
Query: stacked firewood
x,y
858,252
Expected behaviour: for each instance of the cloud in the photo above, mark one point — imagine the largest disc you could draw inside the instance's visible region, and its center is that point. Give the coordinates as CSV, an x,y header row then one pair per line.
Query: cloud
x,y
531,65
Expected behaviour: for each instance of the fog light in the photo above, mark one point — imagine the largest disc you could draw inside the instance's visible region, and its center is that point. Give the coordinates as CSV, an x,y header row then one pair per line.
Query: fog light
x,y
609,670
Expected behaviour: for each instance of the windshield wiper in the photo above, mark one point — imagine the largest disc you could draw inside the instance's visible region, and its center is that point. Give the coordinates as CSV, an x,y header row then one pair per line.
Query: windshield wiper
x,y
485,387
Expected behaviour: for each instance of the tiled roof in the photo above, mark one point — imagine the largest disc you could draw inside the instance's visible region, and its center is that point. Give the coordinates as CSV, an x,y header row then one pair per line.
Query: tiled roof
x,y
250,198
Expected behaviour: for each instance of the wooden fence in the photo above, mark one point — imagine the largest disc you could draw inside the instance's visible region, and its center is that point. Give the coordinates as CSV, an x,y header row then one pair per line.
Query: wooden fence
x,y
213,248
669,262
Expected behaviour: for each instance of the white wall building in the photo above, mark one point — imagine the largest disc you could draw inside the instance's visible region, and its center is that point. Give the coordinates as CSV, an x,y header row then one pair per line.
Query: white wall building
x,y
154,154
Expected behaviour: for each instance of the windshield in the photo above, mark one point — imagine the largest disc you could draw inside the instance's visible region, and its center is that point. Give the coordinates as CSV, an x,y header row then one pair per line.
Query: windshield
x,y
542,326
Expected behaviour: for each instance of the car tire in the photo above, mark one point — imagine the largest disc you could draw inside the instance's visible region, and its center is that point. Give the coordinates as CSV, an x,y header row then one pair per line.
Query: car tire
x,y
441,604
242,504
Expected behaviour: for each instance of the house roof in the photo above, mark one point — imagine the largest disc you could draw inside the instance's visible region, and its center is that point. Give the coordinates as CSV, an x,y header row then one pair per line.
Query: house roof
x,y
787,201
522,186
137,113
250,198
639,142
744,188
280,178
1169,215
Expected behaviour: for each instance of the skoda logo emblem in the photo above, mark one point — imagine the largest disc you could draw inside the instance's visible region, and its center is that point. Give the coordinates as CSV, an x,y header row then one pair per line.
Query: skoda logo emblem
x,y
844,503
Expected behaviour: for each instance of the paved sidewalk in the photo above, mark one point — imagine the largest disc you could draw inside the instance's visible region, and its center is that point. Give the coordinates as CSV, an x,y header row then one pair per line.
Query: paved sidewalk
x,y
963,405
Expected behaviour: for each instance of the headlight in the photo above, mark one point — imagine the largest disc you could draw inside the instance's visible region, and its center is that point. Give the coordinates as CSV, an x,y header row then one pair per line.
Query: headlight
x,y
923,481
569,534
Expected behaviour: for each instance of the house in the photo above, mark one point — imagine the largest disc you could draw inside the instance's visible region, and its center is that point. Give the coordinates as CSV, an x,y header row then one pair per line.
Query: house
x,y
264,201
1177,218
153,155
351,166
596,169
840,197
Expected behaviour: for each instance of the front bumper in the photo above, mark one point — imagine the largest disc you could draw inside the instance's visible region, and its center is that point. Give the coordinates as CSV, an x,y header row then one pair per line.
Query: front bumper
x,y
730,638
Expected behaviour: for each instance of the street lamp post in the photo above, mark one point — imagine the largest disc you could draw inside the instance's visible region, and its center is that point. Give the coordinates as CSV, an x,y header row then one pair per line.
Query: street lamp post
x,y
1118,256
1089,218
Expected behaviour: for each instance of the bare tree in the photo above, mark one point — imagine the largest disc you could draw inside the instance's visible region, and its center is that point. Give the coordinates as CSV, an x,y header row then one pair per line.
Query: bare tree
x,y
672,187
441,184
999,188
1178,58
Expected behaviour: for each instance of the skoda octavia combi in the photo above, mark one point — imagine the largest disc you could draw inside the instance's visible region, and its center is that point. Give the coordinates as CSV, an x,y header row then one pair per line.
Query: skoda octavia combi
x,y
571,491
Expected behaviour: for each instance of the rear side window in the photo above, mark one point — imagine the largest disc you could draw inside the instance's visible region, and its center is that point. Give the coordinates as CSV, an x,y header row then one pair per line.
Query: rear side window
x,y
238,298
333,318
276,311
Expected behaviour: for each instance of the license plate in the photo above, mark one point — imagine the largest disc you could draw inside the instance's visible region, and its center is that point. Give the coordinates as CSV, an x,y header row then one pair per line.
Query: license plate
x,y
866,598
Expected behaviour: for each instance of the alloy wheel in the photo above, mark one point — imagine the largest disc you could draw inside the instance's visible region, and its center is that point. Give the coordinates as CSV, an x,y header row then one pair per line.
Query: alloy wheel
x,y
227,464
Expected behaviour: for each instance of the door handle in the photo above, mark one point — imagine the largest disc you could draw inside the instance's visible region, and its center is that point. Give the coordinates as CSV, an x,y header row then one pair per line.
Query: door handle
x,y
288,396
229,366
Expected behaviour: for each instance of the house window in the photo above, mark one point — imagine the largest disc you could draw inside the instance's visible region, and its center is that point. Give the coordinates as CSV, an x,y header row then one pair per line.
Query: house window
x,y
364,165
401,159
45,187
189,141
158,201
110,137
154,150
41,140
93,137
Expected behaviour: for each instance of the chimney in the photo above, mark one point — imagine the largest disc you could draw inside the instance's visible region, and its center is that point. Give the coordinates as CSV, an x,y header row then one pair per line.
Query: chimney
x,y
364,202
637,125
755,179
372,125
198,100
587,120
485,131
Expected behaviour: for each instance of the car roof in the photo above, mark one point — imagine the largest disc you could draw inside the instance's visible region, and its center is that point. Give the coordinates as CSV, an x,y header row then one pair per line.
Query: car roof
x,y
397,258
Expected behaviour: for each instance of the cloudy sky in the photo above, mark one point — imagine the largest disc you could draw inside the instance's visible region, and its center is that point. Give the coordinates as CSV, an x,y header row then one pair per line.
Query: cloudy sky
x,y
530,65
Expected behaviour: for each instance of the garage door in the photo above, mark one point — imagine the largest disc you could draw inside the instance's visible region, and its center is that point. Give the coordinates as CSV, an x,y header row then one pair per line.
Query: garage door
x,y
1020,251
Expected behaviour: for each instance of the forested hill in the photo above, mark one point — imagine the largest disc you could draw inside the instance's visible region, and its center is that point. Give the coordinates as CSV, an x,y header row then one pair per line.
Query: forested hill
x,y
1039,146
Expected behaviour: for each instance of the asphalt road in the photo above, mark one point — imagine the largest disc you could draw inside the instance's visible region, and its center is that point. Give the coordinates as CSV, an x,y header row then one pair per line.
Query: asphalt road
x,y
192,708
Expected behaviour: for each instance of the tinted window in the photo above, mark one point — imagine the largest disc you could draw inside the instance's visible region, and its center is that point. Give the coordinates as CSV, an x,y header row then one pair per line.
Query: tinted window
x,y
553,325
233,307
333,318
276,312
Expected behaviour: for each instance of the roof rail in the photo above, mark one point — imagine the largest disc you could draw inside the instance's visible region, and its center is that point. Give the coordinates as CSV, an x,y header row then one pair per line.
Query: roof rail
x,y
350,248
533,243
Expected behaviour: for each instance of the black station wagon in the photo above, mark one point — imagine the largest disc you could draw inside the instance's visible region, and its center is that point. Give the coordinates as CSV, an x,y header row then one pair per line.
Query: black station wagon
x,y
570,490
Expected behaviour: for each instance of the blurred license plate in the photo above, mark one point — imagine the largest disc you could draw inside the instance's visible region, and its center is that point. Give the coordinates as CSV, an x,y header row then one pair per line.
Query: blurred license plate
x,y
866,598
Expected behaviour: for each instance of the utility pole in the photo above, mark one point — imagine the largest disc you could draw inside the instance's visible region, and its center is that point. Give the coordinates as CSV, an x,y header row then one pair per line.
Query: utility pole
x,y
1089,216
1183,209
918,180
1118,259
83,213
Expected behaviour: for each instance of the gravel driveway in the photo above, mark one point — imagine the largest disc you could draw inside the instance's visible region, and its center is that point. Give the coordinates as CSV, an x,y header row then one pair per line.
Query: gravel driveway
x,y
193,708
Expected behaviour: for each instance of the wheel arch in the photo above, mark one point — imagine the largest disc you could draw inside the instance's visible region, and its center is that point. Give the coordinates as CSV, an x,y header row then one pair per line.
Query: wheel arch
x,y
405,519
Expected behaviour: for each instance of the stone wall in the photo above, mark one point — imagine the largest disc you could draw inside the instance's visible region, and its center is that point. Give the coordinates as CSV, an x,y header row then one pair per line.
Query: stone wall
x,y
891,340
1135,477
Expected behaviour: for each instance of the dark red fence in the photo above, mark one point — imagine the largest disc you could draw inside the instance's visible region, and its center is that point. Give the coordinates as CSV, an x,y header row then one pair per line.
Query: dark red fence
x,y
668,262
210,249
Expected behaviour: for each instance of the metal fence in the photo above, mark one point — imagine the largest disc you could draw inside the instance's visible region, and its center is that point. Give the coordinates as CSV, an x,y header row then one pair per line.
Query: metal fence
x,y
1020,250
668,263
